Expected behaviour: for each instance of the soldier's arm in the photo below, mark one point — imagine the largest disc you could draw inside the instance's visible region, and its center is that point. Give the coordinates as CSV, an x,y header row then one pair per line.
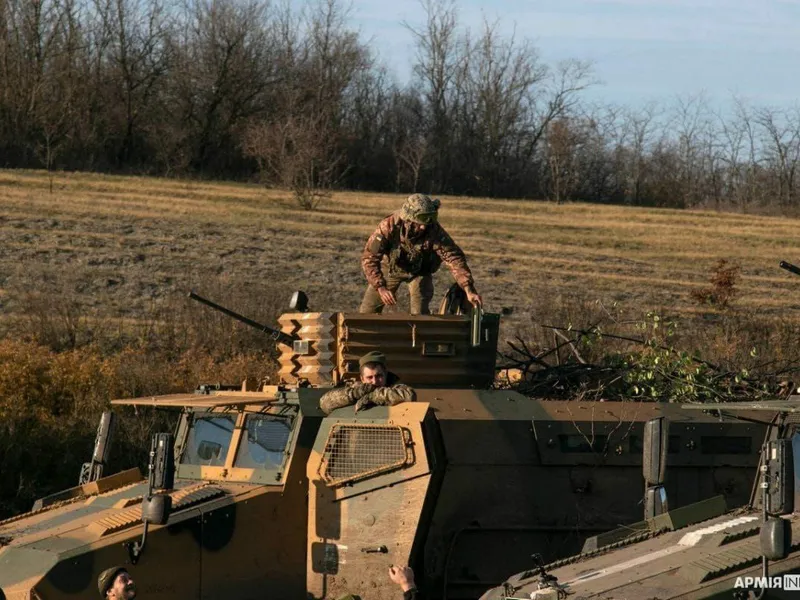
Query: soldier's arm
x,y
334,399
455,260
388,396
344,396
374,250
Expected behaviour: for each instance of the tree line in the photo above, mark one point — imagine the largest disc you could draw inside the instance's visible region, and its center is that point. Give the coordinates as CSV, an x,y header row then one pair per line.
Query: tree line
x,y
242,89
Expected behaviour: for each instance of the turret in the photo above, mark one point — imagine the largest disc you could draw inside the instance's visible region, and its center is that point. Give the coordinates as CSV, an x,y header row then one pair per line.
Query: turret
x,y
423,350
321,349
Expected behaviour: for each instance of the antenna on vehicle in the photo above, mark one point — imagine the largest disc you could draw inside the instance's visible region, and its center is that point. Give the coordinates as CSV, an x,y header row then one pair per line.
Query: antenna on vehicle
x,y
156,507
93,470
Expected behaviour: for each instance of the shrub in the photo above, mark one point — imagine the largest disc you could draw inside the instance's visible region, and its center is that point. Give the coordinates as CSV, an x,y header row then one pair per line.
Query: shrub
x,y
723,279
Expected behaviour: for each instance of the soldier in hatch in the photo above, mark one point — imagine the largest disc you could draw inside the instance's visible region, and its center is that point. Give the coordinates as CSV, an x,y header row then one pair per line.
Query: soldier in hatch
x,y
378,387
415,246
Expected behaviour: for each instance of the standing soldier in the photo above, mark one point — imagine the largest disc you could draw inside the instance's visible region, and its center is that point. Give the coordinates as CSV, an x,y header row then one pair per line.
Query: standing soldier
x,y
415,245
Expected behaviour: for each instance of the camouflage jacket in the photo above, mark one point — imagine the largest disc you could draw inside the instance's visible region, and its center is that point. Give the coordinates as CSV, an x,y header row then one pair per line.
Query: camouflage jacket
x,y
421,256
364,395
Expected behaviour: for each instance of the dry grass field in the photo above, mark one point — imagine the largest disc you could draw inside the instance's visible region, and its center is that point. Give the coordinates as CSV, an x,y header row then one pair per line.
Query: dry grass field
x,y
120,243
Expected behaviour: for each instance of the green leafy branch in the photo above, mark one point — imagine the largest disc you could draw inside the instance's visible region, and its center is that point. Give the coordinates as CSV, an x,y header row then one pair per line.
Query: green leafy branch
x,y
644,366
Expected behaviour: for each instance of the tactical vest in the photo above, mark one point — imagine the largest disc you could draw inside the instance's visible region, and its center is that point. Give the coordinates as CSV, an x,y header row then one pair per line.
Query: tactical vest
x,y
408,258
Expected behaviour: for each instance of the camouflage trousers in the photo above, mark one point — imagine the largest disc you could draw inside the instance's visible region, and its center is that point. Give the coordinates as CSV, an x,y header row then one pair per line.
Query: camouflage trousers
x,y
420,290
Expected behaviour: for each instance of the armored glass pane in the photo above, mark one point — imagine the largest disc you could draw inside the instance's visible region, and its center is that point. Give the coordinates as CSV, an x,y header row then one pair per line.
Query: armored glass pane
x,y
718,444
208,440
264,442
581,443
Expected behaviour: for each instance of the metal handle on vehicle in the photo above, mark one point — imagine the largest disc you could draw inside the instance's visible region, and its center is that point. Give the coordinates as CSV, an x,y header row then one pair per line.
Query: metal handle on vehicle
x,y
477,320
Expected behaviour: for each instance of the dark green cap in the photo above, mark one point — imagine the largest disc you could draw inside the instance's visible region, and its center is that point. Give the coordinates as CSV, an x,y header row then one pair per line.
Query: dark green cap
x,y
107,577
374,356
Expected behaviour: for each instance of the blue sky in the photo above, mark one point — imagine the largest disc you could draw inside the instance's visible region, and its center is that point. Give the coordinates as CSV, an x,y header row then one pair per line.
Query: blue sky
x,y
641,49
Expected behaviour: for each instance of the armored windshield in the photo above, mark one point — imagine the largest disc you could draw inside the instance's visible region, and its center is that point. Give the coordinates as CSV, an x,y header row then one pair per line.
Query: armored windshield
x,y
208,440
253,447
264,442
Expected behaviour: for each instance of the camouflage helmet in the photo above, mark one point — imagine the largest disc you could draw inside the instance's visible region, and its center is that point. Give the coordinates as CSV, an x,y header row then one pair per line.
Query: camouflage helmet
x,y
420,208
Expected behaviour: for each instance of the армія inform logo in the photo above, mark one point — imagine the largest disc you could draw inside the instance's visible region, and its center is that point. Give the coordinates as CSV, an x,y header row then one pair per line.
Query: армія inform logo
x,y
780,582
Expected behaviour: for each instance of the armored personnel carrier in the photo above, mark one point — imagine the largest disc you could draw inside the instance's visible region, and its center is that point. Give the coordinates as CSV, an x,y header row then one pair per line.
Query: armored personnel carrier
x,y
258,494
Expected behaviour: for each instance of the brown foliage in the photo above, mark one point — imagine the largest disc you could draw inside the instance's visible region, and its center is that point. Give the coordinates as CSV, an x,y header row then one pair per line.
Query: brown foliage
x,y
723,279
50,403
61,369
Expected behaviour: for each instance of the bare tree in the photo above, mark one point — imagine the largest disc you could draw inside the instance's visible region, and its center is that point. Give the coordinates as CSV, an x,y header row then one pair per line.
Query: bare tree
x,y
732,135
781,138
560,97
601,159
436,64
223,72
135,39
367,130
563,139
690,120
335,57
301,147
502,75
53,123
411,153
407,133
640,130
748,187
52,38
299,153
235,87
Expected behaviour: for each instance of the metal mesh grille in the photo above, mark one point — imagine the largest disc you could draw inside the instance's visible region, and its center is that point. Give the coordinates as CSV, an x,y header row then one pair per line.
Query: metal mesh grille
x,y
357,451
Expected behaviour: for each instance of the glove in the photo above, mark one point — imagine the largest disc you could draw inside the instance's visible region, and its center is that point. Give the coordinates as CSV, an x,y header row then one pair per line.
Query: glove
x,y
359,390
364,402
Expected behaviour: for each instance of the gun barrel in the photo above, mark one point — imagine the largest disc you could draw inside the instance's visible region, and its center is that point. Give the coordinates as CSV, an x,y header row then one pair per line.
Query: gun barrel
x,y
790,267
276,335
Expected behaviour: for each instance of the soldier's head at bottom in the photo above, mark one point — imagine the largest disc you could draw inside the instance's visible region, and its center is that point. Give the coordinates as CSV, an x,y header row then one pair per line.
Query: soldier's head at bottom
x,y
116,584
372,368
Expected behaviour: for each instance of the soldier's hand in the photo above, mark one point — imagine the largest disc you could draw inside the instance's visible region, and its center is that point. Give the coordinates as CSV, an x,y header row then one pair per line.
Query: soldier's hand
x,y
358,390
363,403
402,576
387,296
474,298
